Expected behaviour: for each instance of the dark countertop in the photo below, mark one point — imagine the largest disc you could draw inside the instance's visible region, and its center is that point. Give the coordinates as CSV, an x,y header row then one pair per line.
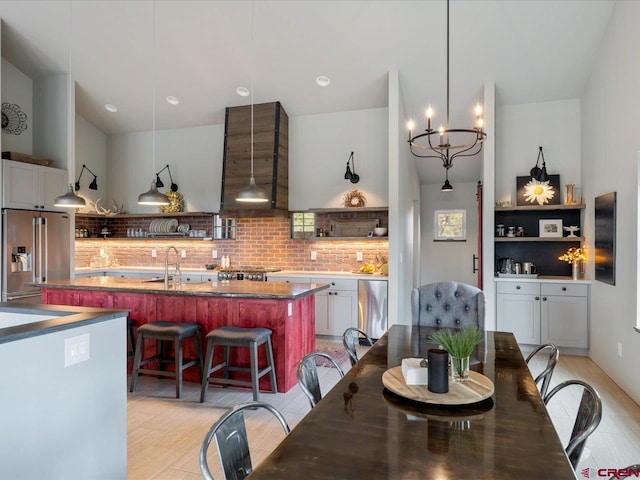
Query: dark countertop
x,y
47,319
235,288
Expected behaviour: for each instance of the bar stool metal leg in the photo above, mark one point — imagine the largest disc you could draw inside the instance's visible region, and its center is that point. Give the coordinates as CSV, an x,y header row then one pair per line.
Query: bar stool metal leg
x,y
272,364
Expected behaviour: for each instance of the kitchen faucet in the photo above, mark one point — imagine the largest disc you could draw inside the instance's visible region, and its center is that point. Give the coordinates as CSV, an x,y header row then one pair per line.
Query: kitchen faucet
x,y
166,265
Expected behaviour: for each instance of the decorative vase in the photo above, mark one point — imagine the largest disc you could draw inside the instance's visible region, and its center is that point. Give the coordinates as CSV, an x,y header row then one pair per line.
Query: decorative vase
x,y
569,200
575,269
438,377
460,369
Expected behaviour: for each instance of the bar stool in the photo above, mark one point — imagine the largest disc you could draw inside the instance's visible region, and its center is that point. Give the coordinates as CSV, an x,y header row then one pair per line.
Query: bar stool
x,y
131,326
230,336
163,331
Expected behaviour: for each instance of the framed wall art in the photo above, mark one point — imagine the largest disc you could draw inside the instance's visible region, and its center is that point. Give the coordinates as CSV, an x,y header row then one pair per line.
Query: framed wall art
x,y
550,228
605,238
535,193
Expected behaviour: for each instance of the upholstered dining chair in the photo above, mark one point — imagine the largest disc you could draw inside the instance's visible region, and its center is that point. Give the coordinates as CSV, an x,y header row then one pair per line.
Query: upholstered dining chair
x,y
232,441
448,304
308,375
350,338
587,419
544,378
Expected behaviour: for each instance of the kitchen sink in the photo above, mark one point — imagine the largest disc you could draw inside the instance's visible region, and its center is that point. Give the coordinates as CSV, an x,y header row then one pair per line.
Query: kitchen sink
x,y
156,279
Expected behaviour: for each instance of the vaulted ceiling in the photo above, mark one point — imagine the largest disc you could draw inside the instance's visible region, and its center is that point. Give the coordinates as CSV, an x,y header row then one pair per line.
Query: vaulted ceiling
x,y
534,51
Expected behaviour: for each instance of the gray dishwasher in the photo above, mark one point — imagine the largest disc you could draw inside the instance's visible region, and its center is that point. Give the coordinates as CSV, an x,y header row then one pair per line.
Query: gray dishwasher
x,y
372,307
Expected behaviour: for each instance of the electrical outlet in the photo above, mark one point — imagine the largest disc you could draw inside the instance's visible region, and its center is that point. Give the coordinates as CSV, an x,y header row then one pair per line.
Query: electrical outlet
x,y
154,253
214,253
314,255
76,349
102,252
619,349
183,254
359,256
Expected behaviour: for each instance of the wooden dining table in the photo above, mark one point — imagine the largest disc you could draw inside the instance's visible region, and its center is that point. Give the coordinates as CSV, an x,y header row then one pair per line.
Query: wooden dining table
x,y
361,430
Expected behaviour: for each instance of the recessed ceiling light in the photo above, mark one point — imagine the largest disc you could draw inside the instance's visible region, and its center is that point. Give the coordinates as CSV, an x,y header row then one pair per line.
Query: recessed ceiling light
x,y
323,81
172,100
243,91
111,108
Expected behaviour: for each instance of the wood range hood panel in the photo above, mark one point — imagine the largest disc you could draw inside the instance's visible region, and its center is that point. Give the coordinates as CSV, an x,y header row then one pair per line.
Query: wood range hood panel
x,y
270,159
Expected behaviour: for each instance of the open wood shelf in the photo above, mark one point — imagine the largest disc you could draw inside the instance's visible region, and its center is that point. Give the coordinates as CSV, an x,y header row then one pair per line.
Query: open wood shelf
x,y
147,215
538,239
534,208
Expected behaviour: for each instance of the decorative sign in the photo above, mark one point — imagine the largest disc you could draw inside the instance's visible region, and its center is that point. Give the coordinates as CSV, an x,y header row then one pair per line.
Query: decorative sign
x,y
532,192
605,238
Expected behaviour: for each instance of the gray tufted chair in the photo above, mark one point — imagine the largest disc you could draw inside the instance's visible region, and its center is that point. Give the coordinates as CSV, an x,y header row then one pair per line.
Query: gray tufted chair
x,y
448,304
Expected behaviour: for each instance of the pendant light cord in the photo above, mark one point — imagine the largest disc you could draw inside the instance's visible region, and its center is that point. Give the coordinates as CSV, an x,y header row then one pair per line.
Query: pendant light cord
x,y
153,90
448,123
252,78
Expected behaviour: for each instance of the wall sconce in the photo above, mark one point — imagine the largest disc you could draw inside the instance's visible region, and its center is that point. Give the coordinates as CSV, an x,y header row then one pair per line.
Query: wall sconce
x,y
93,185
540,174
159,184
353,177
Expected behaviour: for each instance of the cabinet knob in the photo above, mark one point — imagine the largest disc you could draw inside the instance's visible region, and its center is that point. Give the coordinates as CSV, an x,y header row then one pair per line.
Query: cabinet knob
x,y
544,299
333,283
537,298
518,287
335,293
564,289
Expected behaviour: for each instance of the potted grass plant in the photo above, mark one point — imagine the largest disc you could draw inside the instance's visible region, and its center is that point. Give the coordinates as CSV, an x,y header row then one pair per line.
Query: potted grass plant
x,y
460,345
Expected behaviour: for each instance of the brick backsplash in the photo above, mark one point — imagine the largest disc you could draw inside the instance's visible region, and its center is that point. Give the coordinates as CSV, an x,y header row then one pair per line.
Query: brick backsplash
x,y
260,241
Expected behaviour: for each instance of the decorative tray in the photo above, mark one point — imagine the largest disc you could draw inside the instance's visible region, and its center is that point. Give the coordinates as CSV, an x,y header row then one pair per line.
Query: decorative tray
x,y
475,390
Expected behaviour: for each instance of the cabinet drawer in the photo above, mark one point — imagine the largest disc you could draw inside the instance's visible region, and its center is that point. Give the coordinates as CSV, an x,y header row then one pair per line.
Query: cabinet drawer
x,y
566,289
288,279
524,288
337,283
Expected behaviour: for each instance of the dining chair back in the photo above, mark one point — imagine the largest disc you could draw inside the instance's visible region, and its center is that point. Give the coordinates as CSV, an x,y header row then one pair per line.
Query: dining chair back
x,y
587,419
448,304
308,375
352,337
544,378
231,438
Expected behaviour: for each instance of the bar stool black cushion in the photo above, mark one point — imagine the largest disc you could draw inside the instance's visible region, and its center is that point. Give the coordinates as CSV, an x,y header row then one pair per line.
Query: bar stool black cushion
x,y
230,336
160,331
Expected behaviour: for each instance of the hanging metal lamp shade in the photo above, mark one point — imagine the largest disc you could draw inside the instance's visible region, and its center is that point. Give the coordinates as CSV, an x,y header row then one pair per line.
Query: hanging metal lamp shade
x,y
153,196
252,193
70,200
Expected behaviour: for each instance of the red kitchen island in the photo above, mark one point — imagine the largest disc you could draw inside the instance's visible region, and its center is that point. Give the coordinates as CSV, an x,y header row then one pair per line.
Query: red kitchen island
x,y
288,309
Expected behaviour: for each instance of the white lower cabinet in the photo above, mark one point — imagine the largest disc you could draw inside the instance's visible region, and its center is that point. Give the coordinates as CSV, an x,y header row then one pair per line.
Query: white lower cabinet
x,y
538,312
336,308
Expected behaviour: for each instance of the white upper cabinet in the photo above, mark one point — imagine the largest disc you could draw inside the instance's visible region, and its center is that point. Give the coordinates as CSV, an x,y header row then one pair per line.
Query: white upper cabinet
x,y
32,187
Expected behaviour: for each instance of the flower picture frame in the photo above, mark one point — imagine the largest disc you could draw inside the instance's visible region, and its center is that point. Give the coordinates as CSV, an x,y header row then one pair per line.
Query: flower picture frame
x,y
550,228
525,196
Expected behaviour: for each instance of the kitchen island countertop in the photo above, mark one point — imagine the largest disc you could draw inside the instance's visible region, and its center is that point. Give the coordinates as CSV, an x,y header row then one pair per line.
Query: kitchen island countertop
x,y
241,289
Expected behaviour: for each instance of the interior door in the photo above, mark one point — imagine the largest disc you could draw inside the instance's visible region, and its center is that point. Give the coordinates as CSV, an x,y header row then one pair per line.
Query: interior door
x,y
477,258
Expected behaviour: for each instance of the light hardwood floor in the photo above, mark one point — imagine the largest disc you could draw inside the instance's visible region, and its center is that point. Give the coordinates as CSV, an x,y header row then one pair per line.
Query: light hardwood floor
x,y
165,434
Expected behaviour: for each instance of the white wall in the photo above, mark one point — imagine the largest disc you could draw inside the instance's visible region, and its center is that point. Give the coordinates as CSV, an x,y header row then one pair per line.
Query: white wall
x,y
17,89
194,156
522,129
610,145
51,120
319,147
91,150
488,198
404,210
442,261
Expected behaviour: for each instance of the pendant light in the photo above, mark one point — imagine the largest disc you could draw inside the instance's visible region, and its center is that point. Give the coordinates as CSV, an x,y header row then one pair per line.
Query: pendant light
x,y
452,142
153,196
70,199
252,193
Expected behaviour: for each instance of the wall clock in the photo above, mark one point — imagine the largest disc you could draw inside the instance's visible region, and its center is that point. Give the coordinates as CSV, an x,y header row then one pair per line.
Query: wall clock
x,y
14,120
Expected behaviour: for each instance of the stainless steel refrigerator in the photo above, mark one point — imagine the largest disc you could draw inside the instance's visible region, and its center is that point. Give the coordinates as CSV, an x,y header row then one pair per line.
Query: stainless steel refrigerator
x,y
35,248
372,307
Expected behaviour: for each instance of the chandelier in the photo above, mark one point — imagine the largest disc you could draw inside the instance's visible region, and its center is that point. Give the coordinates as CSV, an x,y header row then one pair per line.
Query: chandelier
x,y
451,142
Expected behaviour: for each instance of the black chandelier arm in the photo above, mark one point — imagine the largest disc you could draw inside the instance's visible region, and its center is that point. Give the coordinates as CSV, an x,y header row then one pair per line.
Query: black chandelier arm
x,y
84,167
